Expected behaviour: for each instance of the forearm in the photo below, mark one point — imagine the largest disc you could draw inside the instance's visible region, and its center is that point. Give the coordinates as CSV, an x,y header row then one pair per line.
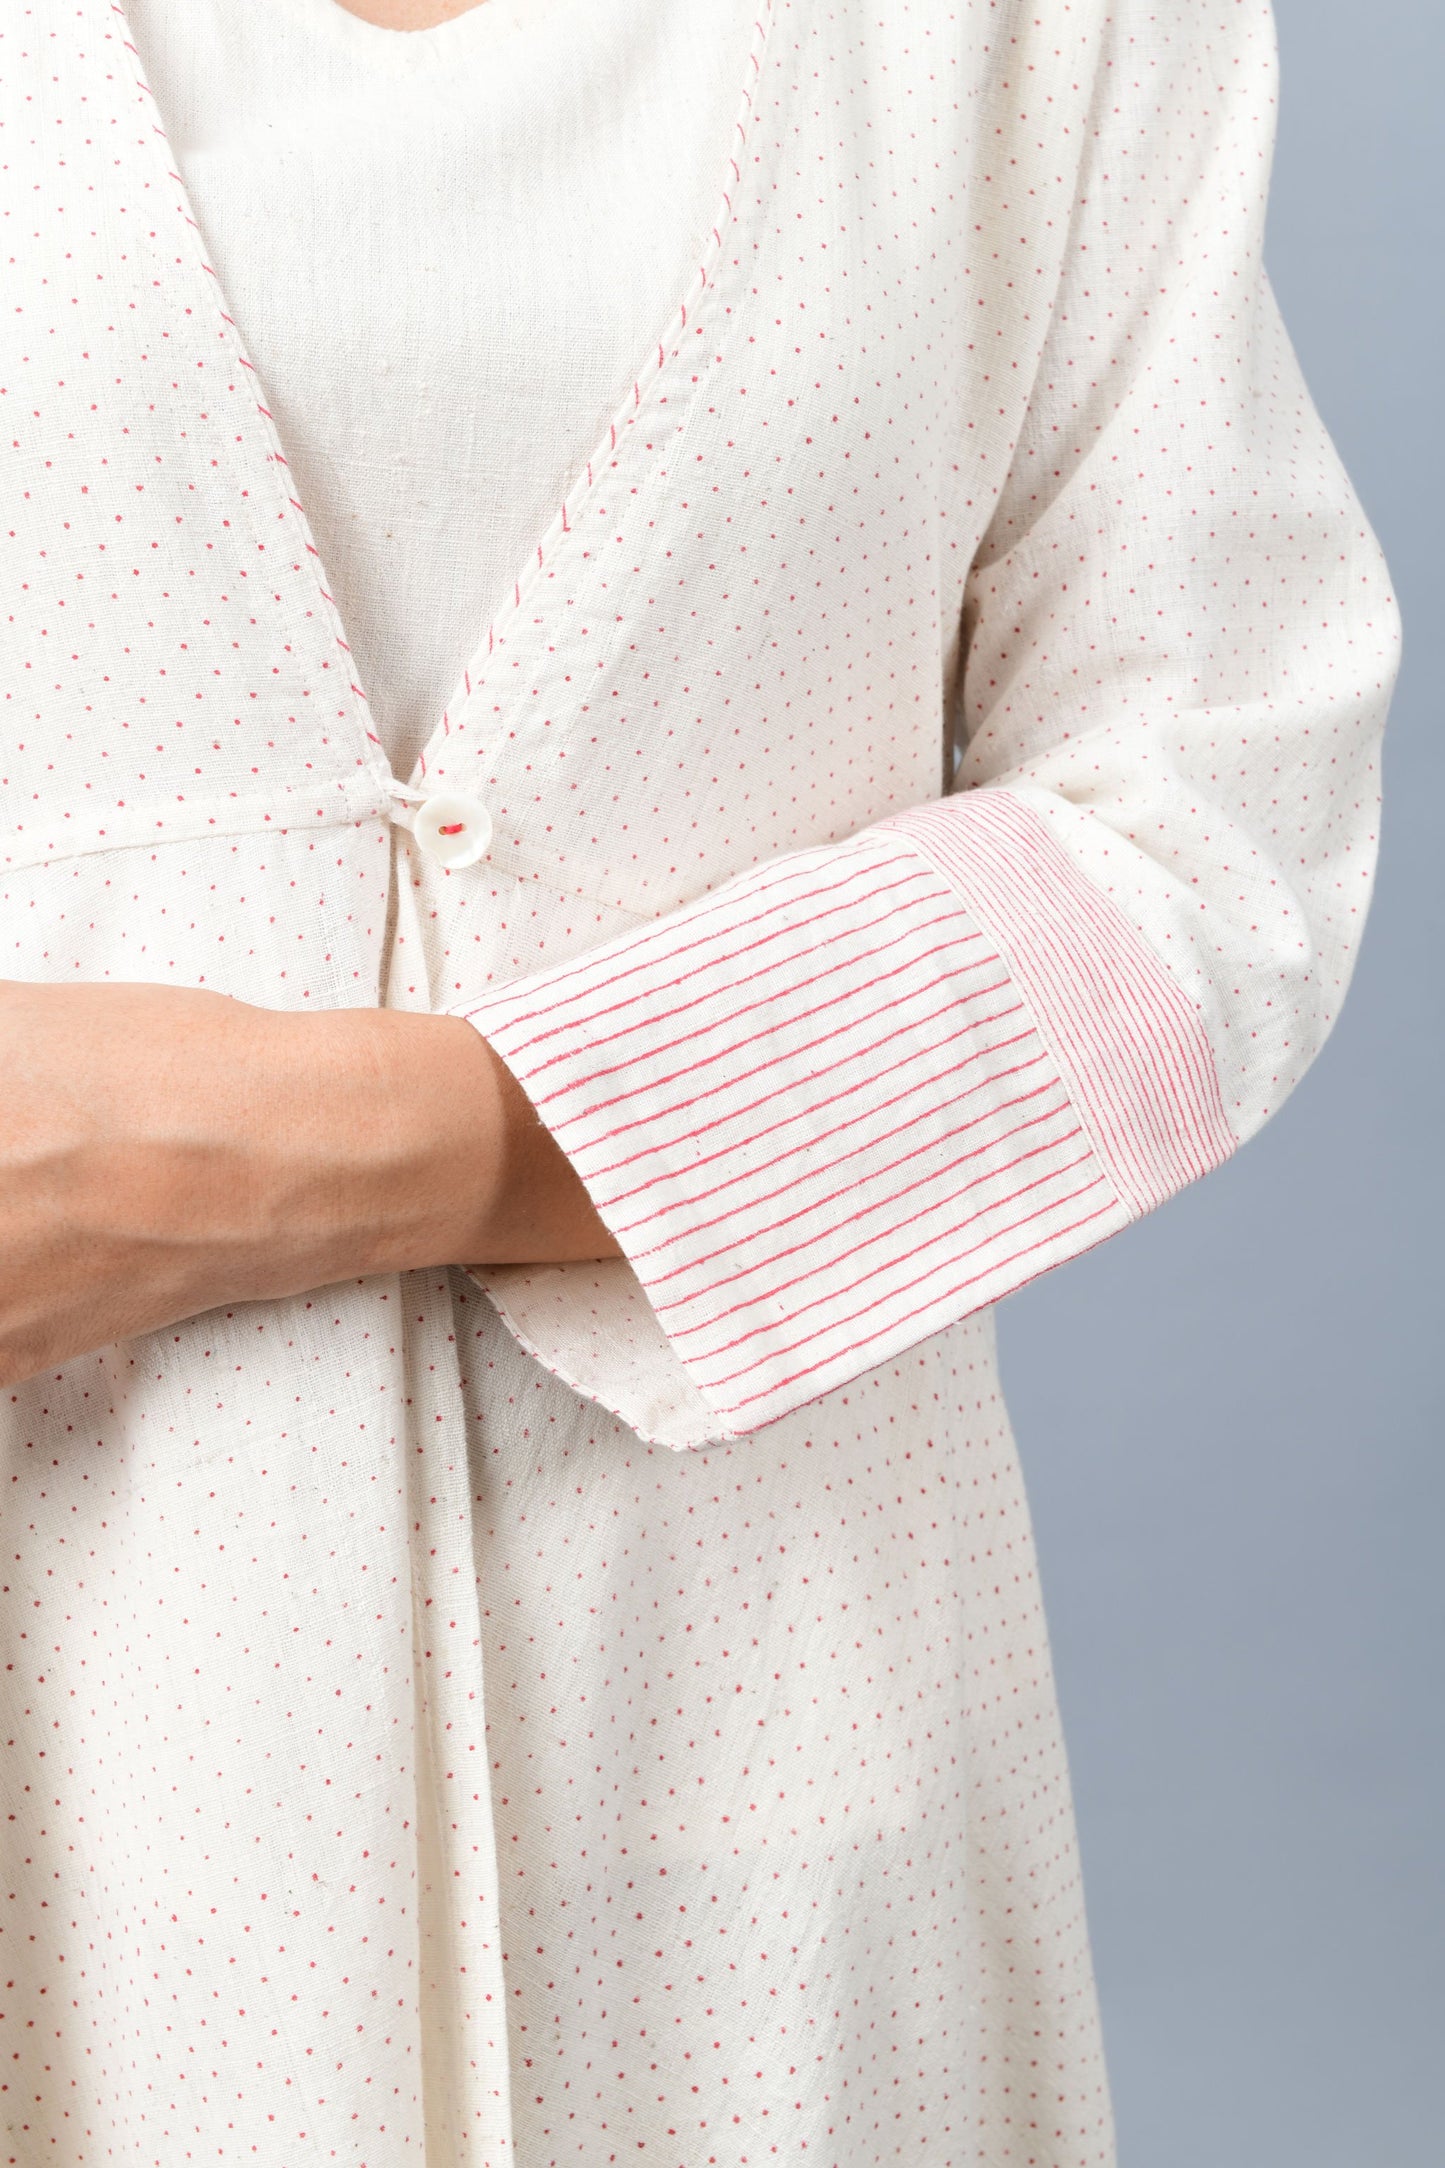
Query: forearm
x,y
165,1150
424,1150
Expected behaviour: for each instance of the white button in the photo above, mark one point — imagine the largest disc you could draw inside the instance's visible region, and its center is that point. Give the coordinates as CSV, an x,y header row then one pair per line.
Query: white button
x,y
454,828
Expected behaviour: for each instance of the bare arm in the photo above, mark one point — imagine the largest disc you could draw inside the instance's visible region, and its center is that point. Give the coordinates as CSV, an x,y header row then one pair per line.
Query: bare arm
x,y
165,1149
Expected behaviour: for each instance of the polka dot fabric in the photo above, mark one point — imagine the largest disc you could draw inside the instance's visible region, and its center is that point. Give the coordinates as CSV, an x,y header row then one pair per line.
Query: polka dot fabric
x,y
477,1727
866,1941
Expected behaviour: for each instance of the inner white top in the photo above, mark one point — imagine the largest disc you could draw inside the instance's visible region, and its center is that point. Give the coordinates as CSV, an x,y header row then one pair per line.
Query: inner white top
x,y
448,253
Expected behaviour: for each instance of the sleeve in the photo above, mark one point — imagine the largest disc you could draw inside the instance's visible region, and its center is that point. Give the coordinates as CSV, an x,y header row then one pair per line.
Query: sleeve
x,y
865,1089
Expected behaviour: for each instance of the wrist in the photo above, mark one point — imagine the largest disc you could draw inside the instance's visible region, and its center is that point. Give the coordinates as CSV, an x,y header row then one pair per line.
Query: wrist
x,y
392,1149
417,1147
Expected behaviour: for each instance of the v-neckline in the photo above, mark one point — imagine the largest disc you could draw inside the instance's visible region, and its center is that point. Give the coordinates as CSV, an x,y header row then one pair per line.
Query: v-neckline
x,y
684,317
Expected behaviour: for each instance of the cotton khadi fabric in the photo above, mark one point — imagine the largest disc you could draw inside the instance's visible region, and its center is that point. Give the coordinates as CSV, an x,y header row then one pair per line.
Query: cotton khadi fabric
x,y
570,1714
445,251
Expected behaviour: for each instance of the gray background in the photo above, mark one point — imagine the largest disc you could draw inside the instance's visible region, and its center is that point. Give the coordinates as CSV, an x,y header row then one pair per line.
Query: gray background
x,y
1231,1417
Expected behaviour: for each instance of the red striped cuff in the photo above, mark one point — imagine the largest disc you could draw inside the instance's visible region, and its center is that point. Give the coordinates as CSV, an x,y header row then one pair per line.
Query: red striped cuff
x,y
858,1093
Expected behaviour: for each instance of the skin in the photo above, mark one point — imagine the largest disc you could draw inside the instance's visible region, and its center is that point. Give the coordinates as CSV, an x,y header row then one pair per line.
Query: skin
x,y
408,14
165,1150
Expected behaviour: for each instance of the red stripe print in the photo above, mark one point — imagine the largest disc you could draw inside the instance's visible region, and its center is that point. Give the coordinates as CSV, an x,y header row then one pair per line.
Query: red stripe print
x,y
893,1191
793,1348
833,1098
796,1111
694,1196
718,1058
875,1347
894,1260
905,938
1134,1045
